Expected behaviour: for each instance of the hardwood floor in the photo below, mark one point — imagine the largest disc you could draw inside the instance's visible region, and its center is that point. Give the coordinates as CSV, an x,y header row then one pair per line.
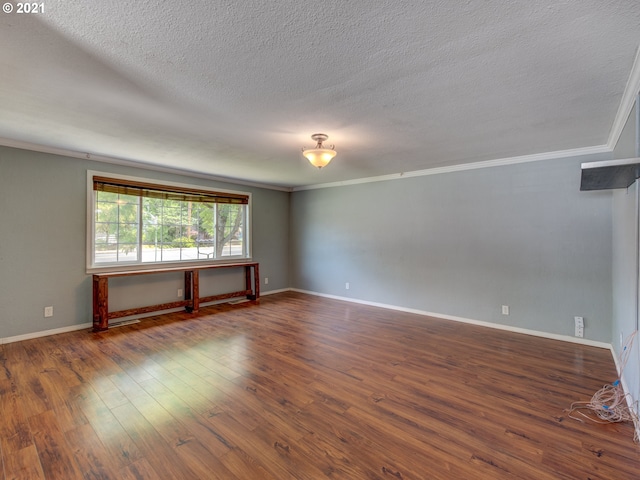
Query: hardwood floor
x,y
302,387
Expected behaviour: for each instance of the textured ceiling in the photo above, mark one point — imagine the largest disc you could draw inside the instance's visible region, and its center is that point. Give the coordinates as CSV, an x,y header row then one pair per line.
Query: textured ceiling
x,y
236,88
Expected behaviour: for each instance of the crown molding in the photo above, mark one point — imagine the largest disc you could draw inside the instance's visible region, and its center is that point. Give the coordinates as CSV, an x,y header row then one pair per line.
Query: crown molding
x,y
6,142
598,149
629,96
538,157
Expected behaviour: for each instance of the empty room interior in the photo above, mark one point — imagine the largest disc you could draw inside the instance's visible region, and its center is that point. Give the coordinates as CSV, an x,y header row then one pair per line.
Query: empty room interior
x,y
308,240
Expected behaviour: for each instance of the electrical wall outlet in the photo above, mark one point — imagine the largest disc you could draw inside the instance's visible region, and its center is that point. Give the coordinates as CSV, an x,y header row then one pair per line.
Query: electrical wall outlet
x,y
180,292
579,322
266,280
346,286
505,309
48,311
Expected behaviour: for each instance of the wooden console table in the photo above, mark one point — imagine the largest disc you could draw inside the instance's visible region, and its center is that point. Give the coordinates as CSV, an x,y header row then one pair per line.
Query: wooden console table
x,y
192,298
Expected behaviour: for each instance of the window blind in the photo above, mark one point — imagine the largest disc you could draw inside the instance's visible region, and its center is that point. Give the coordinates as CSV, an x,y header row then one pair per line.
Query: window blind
x,y
166,192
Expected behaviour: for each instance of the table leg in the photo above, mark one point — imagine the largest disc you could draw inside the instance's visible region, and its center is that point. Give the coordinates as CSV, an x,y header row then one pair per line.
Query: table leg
x,y
100,303
255,285
196,290
188,289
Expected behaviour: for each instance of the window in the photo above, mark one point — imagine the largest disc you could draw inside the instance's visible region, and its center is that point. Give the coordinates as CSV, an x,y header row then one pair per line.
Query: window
x,y
137,222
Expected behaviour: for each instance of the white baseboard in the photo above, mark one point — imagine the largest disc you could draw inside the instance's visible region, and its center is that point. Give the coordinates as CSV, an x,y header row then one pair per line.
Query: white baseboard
x,y
271,292
45,333
509,328
82,326
566,338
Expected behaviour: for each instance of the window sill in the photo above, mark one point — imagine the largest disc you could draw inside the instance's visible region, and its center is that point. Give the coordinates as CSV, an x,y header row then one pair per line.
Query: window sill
x,y
168,266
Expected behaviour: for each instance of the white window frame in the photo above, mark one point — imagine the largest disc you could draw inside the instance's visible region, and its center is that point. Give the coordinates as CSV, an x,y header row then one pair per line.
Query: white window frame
x,y
92,267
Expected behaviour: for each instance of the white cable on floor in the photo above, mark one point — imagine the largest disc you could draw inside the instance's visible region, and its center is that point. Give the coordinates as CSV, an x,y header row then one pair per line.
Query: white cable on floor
x,y
610,404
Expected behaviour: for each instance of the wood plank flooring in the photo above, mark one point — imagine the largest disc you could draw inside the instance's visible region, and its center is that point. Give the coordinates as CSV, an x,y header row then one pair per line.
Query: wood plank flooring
x,y
302,387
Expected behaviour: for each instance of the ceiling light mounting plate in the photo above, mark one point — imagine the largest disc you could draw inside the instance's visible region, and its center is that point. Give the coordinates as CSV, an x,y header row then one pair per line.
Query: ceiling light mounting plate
x,y
319,137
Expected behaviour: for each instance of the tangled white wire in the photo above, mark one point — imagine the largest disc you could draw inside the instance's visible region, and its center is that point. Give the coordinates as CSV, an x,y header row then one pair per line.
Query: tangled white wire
x,y
610,404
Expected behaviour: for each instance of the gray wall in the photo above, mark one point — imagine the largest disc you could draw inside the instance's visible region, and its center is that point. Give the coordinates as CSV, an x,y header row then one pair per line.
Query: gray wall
x,y
43,243
625,262
465,243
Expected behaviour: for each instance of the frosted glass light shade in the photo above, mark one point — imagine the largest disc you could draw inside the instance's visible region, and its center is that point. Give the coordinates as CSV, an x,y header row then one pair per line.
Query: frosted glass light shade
x,y
319,157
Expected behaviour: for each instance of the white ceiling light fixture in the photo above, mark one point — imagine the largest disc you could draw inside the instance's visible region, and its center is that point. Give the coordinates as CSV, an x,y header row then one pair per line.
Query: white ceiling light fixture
x,y
319,156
